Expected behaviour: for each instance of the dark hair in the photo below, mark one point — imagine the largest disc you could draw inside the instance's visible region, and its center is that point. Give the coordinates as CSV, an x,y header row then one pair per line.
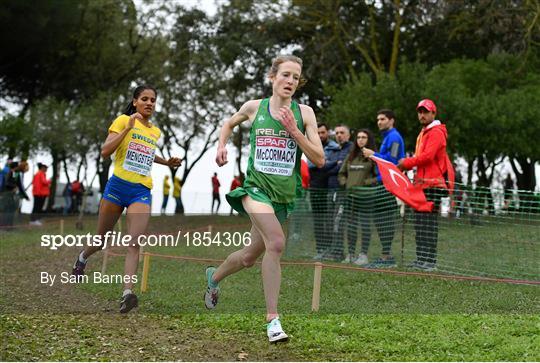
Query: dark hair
x,y
130,109
343,125
370,143
388,113
322,124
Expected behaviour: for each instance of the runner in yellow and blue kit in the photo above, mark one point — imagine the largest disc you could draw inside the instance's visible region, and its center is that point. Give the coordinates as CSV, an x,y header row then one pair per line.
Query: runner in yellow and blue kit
x,y
132,142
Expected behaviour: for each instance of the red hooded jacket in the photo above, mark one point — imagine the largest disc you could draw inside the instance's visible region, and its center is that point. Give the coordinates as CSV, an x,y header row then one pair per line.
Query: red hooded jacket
x,y
40,185
432,163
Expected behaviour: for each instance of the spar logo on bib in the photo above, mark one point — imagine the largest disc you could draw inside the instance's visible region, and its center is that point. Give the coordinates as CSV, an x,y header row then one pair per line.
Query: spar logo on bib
x,y
139,158
275,155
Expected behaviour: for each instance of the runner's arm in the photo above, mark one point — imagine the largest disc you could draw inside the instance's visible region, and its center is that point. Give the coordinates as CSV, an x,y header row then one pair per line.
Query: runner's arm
x,y
310,143
245,112
114,139
172,162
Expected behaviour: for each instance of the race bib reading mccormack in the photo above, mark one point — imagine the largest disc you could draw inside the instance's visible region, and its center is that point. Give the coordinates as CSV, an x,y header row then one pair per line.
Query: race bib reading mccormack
x,y
139,158
275,155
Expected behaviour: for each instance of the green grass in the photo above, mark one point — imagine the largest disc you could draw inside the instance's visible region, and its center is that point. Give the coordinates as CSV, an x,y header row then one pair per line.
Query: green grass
x,y
363,315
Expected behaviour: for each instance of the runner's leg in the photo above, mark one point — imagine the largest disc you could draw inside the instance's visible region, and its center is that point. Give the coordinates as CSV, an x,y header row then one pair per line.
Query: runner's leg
x,y
264,219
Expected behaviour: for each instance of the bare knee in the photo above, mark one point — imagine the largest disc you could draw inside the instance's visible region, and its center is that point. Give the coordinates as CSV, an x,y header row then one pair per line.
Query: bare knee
x,y
276,244
249,258
134,248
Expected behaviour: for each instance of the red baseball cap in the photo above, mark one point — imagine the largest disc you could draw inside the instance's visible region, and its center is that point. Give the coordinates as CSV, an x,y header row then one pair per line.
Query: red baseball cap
x,y
428,105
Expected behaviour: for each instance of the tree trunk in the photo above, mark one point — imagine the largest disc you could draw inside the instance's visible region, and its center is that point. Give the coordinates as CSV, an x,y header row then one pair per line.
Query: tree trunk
x,y
526,178
526,182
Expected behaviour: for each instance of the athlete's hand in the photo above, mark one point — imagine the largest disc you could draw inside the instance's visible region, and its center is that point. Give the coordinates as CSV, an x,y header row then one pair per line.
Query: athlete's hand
x,y
174,162
286,118
221,157
400,165
132,119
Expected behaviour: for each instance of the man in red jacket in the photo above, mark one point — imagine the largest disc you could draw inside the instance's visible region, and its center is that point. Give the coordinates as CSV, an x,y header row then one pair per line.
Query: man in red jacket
x,y
40,190
433,167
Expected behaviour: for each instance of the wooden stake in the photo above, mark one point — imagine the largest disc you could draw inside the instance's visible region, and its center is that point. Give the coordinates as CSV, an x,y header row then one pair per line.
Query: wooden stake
x,y
62,227
145,272
104,262
316,287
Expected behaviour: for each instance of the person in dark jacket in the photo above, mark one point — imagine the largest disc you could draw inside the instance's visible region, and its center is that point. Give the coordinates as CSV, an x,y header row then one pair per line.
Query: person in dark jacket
x,y
318,192
13,191
337,197
432,165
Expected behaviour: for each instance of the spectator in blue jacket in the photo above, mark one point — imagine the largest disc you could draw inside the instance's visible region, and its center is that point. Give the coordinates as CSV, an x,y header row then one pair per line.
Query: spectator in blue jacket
x,y
318,192
392,149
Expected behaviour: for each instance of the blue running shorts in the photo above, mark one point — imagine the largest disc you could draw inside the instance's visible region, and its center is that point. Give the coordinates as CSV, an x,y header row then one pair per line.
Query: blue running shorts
x,y
124,193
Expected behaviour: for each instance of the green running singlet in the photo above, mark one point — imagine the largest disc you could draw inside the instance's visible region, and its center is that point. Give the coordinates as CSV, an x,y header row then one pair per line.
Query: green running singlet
x,y
273,173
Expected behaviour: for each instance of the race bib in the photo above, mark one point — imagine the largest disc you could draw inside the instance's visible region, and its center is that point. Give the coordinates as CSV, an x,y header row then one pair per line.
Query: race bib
x,y
275,155
139,158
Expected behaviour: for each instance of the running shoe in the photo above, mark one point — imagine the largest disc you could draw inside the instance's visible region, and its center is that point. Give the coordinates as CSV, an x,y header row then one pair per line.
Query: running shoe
x,y
275,332
361,260
428,266
129,301
78,267
212,293
318,256
416,264
382,263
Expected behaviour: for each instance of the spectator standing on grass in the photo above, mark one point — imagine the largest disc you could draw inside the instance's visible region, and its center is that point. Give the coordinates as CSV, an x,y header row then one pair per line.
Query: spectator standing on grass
x,y
77,191
68,198
433,168
40,190
215,193
392,150
3,174
508,191
302,206
318,193
166,192
337,197
10,197
177,195
358,176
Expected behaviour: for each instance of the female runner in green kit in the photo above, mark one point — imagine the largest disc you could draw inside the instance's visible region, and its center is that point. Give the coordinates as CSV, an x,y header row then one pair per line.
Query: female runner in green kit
x,y
281,130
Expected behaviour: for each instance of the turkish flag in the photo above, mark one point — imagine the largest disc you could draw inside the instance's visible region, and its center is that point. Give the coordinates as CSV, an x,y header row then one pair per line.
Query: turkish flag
x,y
398,184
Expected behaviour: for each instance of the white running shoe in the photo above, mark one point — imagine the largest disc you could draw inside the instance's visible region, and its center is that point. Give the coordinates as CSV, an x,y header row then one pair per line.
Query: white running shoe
x,y
275,332
36,223
347,259
361,260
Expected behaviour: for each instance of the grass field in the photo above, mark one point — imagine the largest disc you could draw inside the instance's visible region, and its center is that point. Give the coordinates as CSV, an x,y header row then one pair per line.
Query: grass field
x,y
363,315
